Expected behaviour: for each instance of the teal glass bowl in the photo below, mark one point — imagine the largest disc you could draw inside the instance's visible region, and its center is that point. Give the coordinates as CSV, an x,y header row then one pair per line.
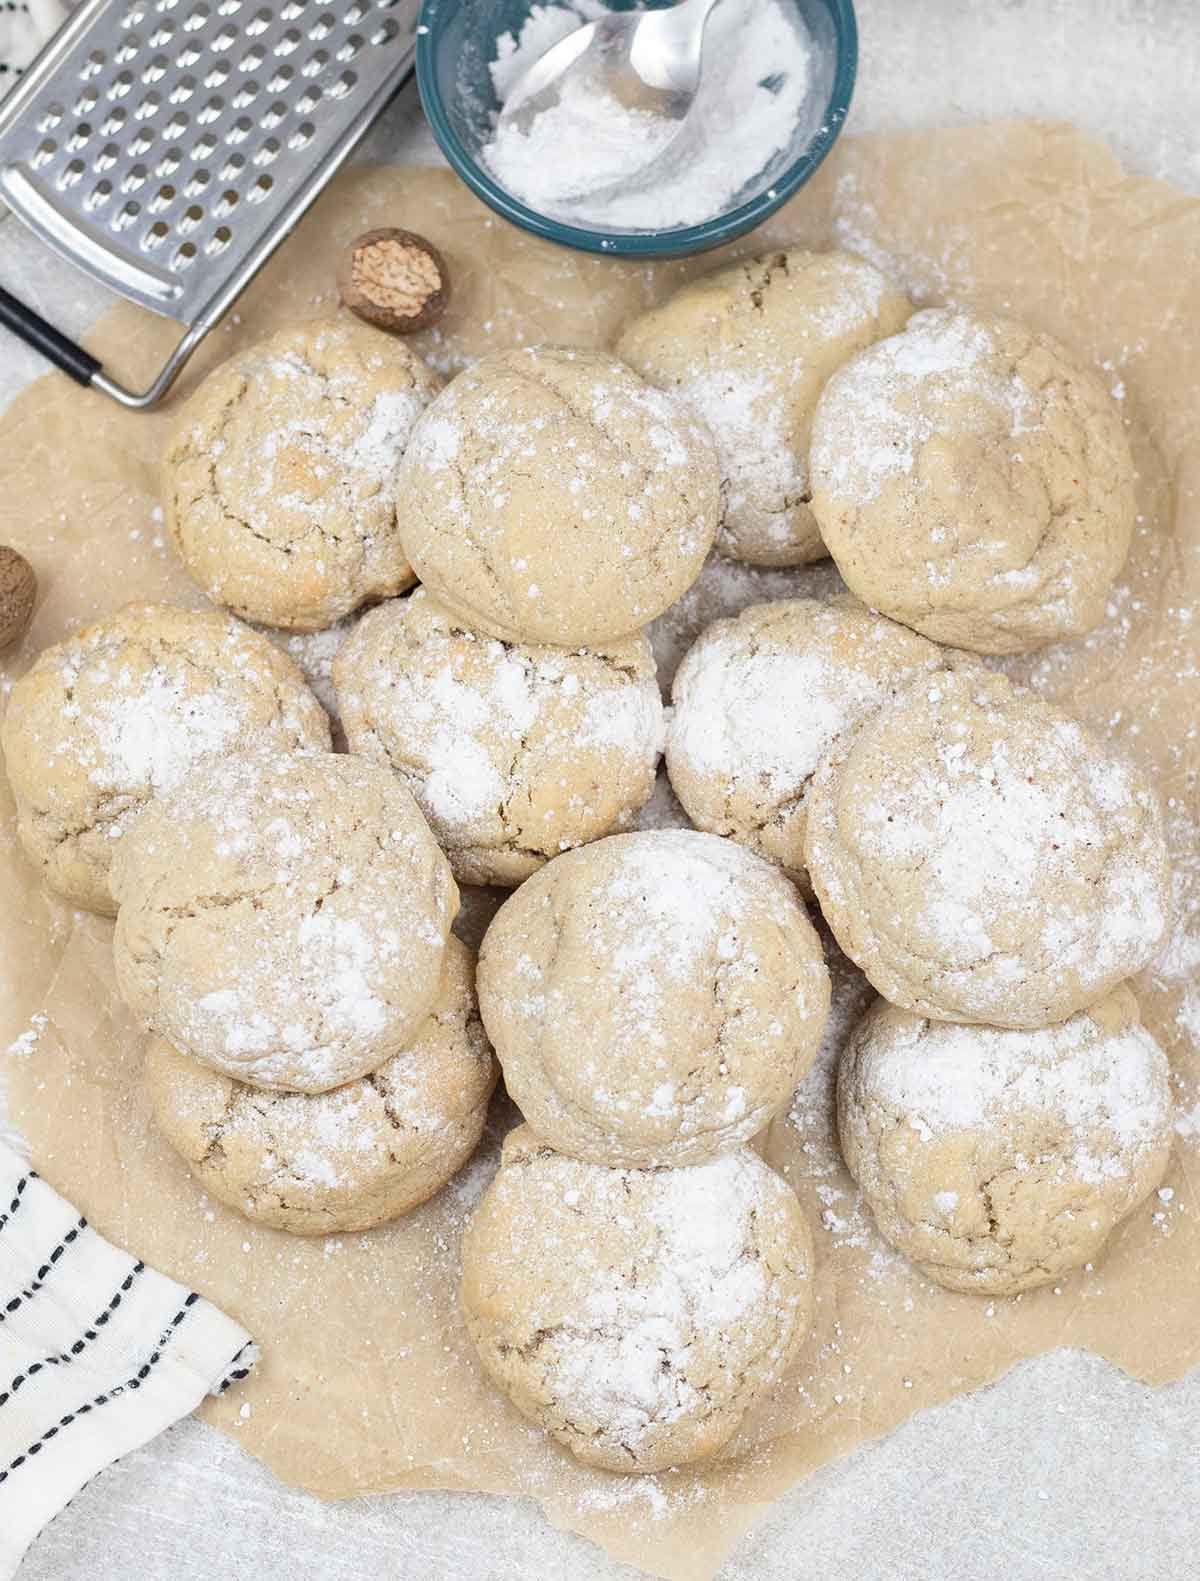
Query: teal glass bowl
x,y
456,45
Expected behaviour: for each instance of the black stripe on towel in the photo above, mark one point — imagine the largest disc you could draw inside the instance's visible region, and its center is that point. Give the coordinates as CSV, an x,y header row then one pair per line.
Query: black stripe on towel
x,y
81,1344
68,1239
235,1373
101,1400
16,1201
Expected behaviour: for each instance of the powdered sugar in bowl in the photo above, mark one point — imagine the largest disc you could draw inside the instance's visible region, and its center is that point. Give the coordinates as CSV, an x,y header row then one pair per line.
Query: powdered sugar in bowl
x,y
778,77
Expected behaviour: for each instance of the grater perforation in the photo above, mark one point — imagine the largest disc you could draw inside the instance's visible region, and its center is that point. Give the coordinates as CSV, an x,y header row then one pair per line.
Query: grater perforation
x,y
166,147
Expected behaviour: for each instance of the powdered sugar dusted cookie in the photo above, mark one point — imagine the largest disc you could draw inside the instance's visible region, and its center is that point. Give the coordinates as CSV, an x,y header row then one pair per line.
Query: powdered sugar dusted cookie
x,y
983,857
972,480
279,475
999,1160
759,702
283,920
653,998
342,1160
513,752
551,496
636,1315
121,711
750,347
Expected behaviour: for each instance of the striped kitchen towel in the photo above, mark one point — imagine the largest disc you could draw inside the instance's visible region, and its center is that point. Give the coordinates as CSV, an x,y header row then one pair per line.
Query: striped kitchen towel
x,y
25,25
98,1354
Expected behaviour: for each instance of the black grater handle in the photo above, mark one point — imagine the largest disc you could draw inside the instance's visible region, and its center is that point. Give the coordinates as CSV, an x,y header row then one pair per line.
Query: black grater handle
x,y
34,331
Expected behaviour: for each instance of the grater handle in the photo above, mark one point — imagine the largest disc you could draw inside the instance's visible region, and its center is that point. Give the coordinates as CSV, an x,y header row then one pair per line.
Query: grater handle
x,y
87,370
55,347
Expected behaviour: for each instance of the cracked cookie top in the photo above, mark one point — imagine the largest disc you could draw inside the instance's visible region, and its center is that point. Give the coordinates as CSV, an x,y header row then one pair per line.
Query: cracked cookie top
x,y
636,1315
551,496
513,752
343,1160
983,857
121,711
283,920
653,998
279,475
750,346
760,700
973,481
995,1159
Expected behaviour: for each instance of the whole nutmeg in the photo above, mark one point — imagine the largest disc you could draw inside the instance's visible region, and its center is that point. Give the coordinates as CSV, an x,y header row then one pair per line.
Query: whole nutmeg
x,y
395,280
18,592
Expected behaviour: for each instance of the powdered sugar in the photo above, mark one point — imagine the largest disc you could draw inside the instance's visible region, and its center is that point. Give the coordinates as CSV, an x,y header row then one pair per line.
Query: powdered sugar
x,y
1107,1090
376,449
544,26
761,464
685,891
153,730
767,713
1028,864
350,958
610,141
663,810
549,443
634,1368
314,652
883,406
503,745
122,711
584,158
299,911
985,836
642,1286
841,1212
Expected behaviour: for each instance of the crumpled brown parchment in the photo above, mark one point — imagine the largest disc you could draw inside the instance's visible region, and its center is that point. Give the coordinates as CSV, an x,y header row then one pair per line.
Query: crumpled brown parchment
x,y
368,1382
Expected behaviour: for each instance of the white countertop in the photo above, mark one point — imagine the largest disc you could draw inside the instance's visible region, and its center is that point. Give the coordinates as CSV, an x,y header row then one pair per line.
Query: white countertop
x,y
1065,1469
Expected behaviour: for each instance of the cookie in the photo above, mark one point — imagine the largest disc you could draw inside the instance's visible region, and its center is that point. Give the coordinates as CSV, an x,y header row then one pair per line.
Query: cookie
x,y
345,1160
121,711
552,496
514,752
283,920
279,474
636,1315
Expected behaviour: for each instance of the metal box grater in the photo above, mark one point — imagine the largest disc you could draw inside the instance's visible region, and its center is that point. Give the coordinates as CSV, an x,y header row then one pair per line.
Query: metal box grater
x,y
167,147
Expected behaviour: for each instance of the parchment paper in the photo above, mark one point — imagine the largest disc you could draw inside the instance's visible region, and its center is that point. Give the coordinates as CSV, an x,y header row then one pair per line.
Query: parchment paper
x,y
367,1381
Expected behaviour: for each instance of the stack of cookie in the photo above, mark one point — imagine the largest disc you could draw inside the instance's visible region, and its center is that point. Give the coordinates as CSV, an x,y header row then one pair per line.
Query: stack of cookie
x,y
636,1277
283,917
992,867
284,912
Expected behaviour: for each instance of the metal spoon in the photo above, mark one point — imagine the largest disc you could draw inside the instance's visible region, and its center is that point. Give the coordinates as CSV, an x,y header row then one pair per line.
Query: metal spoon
x,y
647,60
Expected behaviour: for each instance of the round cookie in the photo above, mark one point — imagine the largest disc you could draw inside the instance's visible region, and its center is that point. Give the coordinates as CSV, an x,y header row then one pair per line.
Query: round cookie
x,y
514,753
343,1160
973,481
750,347
998,1160
636,1315
760,700
121,711
279,474
551,496
283,920
983,857
653,998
